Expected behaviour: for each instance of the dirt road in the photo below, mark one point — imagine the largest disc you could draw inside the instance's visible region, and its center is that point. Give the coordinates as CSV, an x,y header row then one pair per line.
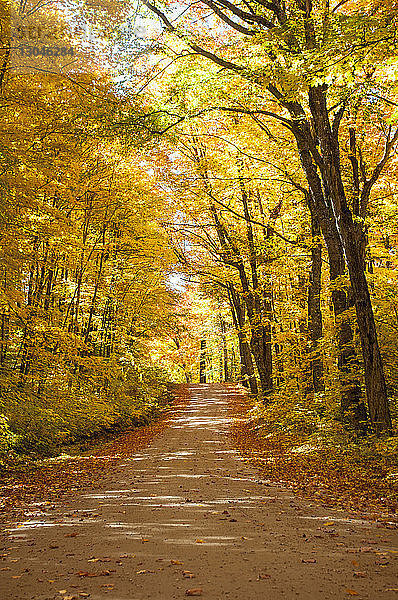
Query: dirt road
x,y
187,517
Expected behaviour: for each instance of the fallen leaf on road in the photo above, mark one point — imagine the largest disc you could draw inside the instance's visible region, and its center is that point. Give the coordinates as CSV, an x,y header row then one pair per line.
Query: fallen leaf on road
x,y
308,560
62,591
352,592
71,535
176,562
263,576
194,592
145,571
199,542
188,575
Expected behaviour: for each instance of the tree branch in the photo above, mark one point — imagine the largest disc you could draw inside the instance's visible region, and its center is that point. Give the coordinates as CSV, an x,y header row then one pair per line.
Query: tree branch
x,y
227,20
198,49
267,228
391,140
243,15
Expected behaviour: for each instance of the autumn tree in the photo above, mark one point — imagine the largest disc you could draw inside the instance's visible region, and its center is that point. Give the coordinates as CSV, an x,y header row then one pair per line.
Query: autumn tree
x,y
84,264
312,62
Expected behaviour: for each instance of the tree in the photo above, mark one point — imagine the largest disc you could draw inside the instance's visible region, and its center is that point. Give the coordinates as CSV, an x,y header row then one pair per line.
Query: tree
x,y
84,265
298,46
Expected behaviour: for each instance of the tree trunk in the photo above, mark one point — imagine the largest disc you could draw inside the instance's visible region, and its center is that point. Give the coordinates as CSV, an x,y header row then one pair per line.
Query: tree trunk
x,y
247,368
376,390
202,362
352,406
5,41
259,307
238,316
267,335
225,370
259,343
251,300
352,244
314,307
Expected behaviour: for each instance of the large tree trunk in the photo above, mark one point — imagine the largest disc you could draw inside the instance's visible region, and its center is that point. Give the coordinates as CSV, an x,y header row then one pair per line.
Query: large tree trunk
x,y
352,406
258,345
348,232
374,373
247,371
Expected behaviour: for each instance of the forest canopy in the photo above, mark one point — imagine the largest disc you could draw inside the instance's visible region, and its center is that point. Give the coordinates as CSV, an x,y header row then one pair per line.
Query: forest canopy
x,y
198,192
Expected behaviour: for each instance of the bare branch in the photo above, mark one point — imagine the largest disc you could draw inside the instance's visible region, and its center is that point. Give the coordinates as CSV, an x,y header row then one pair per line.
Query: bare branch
x,y
339,4
267,228
391,141
286,122
245,16
198,49
227,20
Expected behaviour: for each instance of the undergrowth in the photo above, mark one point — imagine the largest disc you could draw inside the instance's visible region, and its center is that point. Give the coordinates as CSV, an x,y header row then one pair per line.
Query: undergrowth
x,y
316,456
34,426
